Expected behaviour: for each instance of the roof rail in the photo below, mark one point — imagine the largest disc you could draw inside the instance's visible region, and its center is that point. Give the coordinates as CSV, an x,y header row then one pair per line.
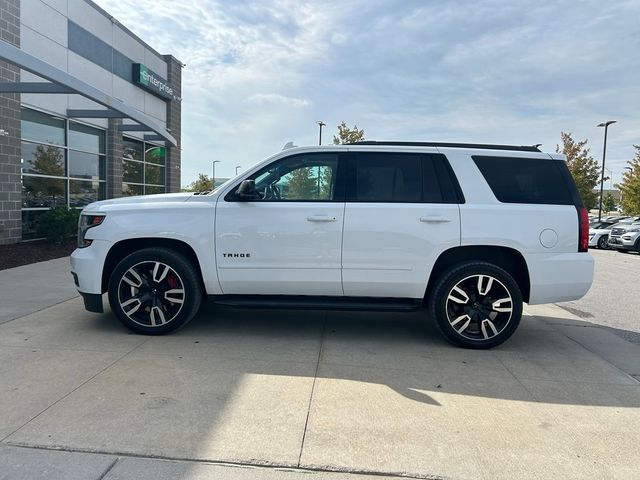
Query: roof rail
x,y
519,148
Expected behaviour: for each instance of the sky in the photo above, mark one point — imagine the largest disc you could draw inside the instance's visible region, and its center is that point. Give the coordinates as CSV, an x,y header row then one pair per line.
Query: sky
x,y
260,74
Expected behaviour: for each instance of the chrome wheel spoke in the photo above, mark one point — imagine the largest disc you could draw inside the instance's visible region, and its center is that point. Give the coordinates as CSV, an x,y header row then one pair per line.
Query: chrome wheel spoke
x,y
459,297
464,319
160,271
132,278
483,326
157,316
134,303
484,284
175,295
499,305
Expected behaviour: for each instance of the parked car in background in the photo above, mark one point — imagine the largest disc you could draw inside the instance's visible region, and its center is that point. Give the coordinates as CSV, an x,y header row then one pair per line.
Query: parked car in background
x,y
625,237
599,233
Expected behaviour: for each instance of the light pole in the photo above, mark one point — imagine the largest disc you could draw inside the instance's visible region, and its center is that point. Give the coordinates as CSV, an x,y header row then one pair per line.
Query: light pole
x,y
604,156
237,167
320,124
213,178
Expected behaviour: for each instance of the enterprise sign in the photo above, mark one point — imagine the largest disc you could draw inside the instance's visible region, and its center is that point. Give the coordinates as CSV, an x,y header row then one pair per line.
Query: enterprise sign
x,y
151,81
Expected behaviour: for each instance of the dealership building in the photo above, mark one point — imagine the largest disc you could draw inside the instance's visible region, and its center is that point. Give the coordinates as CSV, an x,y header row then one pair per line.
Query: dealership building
x,y
89,111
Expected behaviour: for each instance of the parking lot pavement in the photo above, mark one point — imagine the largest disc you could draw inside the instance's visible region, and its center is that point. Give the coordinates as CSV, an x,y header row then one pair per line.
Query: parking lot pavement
x,y
289,394
612,301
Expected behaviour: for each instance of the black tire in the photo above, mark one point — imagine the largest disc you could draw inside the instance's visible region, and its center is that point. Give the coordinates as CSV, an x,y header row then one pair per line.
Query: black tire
x,y
162,287
603,242
486,327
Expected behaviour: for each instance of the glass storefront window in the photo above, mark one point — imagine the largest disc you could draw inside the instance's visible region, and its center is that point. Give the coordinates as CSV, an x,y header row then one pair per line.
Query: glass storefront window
x,y
132,172
38,192
132,149
41,127
86,165
128,189
154,174
82,192
155,154
42,159
87,139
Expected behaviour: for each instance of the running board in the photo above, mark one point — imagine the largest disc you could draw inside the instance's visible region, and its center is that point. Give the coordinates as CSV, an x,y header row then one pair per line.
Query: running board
x,y
310,302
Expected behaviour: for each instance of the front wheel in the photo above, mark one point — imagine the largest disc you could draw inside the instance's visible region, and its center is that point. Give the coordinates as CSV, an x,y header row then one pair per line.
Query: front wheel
x,y
476,305
154,291
603,242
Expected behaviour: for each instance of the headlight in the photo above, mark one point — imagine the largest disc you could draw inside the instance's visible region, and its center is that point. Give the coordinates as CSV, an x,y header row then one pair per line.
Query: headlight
x,y
84,224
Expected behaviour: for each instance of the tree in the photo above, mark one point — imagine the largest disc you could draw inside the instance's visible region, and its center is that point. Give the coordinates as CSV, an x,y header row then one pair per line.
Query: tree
x,y
348,135
302,184
202,184
608,203
630,186
47,160
583,168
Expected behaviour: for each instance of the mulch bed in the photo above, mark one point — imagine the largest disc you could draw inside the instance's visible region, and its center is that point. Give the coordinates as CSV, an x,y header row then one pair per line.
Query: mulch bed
x,y
32,252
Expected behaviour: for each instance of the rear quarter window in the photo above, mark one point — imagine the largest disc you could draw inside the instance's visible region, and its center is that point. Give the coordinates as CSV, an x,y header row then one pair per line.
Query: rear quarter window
x,y
527,180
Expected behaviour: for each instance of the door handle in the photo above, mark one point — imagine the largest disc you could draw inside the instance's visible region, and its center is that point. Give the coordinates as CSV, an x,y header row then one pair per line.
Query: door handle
x,y
434,219
320,218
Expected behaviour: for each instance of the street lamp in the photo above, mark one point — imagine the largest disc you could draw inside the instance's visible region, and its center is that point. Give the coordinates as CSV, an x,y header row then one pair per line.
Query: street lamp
x,y
604,156
213,178
237,167
320,124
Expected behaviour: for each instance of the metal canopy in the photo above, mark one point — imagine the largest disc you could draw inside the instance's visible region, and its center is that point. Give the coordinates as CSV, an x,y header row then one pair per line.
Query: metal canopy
x,y
33,87
36,66
133,128
72,112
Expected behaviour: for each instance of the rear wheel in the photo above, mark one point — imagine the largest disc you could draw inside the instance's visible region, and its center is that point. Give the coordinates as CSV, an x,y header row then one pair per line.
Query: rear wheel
x,y
154,291
476,305
603,242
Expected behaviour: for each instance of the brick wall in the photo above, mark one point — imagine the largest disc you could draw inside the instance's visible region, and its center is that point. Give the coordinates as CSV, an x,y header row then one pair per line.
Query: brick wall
x,y
174,119
10,183
114,158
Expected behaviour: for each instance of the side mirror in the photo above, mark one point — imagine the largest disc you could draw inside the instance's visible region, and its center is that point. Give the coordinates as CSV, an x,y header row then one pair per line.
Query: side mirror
x,y
247,191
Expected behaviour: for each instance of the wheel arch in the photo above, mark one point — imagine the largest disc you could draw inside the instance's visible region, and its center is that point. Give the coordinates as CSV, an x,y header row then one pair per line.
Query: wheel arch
x,y
125,247
506,258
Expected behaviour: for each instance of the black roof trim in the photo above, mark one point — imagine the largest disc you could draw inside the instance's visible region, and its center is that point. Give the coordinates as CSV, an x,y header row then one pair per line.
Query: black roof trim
x,y
484,146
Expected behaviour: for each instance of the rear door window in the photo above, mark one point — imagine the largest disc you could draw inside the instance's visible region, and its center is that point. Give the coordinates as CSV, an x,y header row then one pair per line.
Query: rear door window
x,y
526,180
400,178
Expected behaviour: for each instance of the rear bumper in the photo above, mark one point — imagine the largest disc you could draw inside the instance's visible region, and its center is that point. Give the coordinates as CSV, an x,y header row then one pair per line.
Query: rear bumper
x,y
559,277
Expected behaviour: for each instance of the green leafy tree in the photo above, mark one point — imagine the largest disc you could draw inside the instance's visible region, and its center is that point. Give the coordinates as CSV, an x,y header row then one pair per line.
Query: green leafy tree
x,y
630,186
583,168
348,135
47,160
202,184
608,203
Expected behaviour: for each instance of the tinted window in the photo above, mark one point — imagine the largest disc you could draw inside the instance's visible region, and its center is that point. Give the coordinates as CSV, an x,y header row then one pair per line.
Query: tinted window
x,y
387,177
86,138
526,180
42,127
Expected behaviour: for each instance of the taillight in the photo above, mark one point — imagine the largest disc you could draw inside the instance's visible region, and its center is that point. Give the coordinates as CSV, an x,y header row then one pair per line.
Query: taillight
x,y
583,229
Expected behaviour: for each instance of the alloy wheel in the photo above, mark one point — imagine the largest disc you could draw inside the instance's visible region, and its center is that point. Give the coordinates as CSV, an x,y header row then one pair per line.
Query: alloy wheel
x,y
479,307
151,293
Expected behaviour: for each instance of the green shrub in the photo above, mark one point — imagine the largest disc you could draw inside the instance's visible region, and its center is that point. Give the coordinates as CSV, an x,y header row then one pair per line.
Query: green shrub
x,y
58,224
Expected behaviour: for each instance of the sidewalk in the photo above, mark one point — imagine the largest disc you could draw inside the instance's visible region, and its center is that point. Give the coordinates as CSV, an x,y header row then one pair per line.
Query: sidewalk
x,y
27,289
330,395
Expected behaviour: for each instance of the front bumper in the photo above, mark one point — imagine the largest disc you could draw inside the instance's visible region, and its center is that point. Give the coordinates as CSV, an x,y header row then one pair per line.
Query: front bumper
x,y
86,269
620,244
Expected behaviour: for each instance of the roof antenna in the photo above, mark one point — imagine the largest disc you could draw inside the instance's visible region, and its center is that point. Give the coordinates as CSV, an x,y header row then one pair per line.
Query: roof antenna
x,y
537,145
288,145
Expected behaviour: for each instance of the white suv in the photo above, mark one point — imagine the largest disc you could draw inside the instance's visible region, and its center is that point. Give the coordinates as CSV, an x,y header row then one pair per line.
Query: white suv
x,y
466,232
